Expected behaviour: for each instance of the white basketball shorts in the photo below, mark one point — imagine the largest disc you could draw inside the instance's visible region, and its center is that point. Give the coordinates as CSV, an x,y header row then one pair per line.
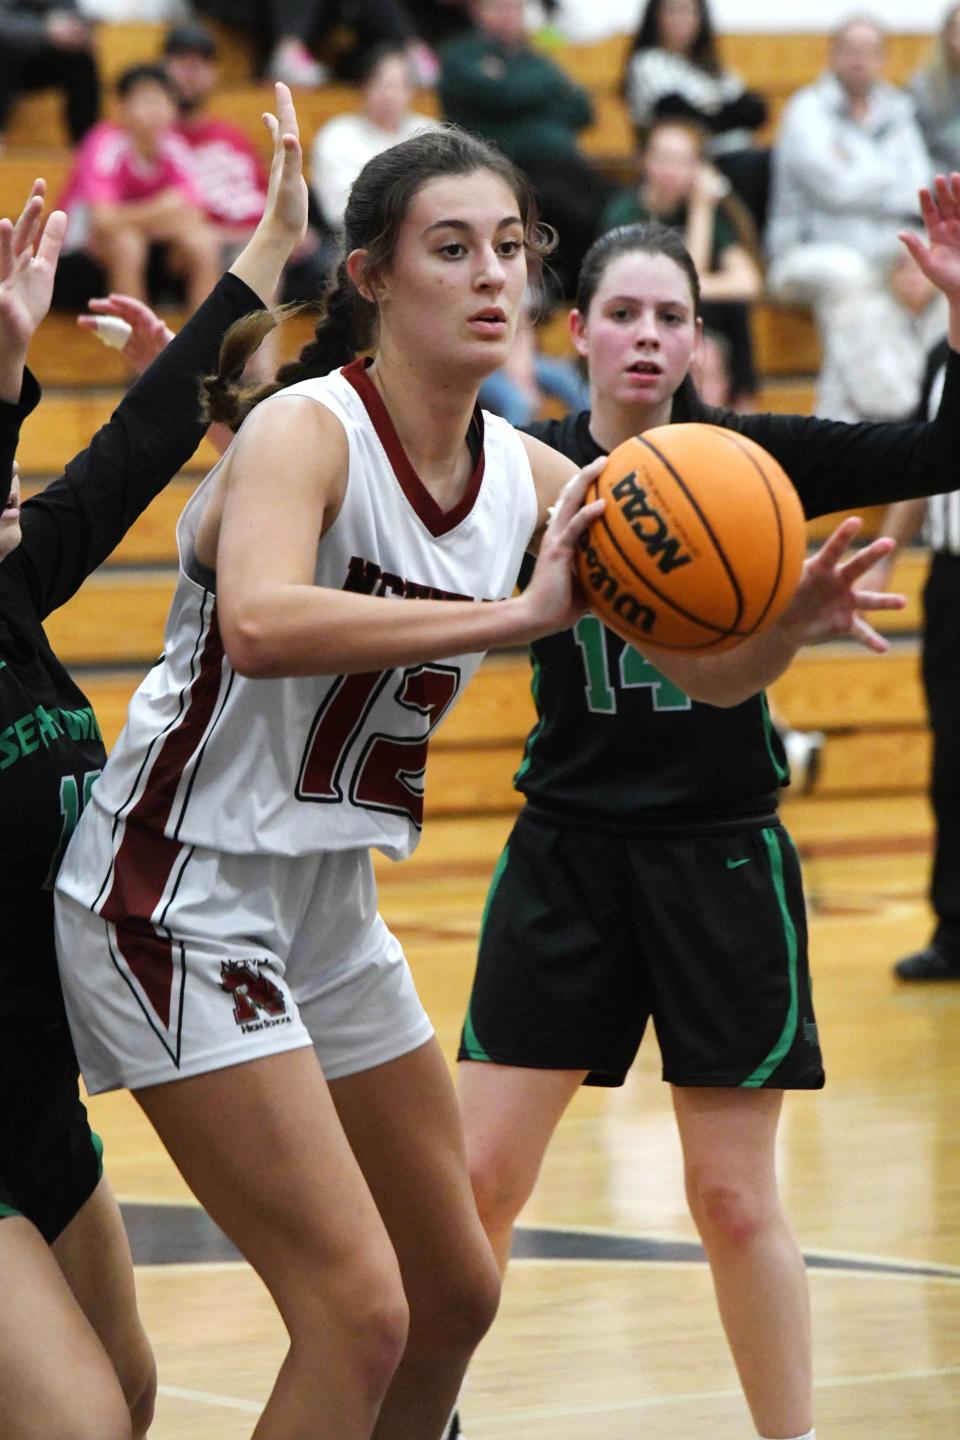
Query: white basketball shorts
x,y
250,955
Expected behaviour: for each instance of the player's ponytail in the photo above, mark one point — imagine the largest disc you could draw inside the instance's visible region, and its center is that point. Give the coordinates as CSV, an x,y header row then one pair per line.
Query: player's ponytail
x,y
379,201
345,327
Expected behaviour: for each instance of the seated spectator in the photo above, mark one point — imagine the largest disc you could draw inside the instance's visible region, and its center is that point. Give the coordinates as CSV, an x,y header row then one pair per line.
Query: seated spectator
x,y
848,162
133,188
673,70
229,173
680,189
493,82
44,44
878,345
522,389
288,33
344,144
935,90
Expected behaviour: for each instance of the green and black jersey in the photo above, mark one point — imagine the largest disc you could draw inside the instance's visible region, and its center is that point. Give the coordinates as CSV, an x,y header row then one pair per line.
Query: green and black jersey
x,y
616,744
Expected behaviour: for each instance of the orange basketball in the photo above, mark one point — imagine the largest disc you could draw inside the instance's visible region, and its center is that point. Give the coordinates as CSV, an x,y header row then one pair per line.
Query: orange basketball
x,y
701,543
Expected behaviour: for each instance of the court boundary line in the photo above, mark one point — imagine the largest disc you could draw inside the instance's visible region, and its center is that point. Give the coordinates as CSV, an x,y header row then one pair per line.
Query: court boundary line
x,y
610,1407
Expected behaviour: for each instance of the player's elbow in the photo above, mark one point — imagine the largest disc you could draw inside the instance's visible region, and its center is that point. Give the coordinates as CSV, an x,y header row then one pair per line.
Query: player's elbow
x,y
250,646
722,698
721,691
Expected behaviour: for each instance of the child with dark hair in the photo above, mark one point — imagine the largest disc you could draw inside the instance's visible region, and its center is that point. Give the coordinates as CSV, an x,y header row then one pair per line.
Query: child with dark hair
x,y
345,143
133,187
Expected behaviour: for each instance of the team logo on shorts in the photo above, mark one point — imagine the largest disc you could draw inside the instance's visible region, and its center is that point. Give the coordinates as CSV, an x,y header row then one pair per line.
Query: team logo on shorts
x,y
257,1002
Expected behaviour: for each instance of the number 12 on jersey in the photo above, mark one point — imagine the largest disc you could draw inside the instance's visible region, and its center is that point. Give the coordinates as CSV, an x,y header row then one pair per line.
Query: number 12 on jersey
x,y
635,672
348,756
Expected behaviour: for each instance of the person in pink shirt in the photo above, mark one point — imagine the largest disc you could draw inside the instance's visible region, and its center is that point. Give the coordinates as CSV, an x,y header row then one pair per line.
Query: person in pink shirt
x,y
228,168
134,186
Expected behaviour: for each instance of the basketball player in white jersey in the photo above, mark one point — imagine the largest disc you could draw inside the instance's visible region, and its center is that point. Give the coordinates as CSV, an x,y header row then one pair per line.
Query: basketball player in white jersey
x,y
341,571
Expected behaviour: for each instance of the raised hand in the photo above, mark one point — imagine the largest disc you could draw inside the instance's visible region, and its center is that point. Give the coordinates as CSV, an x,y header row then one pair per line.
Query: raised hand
x,y
825,604
28,262
939,259
148,333
287,191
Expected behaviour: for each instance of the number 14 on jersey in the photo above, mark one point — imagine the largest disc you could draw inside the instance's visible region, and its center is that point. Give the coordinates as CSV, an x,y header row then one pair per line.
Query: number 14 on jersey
x,y
634,672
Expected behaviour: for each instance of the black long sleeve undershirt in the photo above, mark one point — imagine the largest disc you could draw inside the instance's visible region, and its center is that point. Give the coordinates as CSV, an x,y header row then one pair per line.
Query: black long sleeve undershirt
x,y
12,415
838,466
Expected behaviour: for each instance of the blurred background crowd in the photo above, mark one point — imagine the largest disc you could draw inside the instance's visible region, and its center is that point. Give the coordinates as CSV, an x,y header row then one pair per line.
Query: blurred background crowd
x,y
165,187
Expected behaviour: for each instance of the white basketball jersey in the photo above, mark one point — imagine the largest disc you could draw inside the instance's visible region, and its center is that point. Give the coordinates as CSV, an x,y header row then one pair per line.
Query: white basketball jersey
x,y
331,762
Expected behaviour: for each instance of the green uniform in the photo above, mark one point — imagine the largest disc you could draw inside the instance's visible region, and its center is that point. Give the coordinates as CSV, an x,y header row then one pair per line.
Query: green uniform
x,y
647,875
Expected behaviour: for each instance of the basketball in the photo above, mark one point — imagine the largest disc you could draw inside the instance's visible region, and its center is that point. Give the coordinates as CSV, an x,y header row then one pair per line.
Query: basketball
x,y
701,543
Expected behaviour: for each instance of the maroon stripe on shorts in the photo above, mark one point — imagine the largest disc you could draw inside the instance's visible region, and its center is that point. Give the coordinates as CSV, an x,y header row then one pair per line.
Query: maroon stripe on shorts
x,y
146,856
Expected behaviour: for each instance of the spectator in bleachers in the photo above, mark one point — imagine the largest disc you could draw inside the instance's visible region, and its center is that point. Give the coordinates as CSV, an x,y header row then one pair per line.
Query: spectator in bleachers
x,y
344,144
673,70
494,83
133,187
848,162
936,93
288,34
878,345
680,188
229,172
231,178
44,45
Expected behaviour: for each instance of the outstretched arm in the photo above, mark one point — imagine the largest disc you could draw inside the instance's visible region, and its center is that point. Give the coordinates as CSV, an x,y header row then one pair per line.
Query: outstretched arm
x,y
276,621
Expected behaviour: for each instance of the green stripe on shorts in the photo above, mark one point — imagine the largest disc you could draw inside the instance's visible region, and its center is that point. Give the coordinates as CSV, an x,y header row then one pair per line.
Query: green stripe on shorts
x,y
7,1212
766,1067
469,1039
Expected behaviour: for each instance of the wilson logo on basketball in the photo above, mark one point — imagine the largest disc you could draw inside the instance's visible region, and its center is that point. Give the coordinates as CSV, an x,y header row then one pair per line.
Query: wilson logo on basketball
x,y
648,524
606,586
257,1002
688,492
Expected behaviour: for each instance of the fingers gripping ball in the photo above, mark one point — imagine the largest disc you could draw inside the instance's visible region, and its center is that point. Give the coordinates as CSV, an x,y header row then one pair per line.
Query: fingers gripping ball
x,y
701,543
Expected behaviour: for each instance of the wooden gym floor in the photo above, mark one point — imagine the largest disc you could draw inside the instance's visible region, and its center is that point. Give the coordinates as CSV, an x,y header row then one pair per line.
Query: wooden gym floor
x,y
608,1331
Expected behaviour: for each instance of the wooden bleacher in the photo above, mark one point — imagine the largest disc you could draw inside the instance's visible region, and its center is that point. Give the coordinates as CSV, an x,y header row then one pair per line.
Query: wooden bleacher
x,y
871,707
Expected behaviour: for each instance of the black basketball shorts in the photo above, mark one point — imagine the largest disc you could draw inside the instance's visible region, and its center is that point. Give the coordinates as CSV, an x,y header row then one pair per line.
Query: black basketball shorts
x,y
50,1160
586,935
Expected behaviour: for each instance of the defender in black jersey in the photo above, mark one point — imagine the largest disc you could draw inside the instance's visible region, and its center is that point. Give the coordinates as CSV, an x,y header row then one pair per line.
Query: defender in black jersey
x,y
55,1375
647,875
